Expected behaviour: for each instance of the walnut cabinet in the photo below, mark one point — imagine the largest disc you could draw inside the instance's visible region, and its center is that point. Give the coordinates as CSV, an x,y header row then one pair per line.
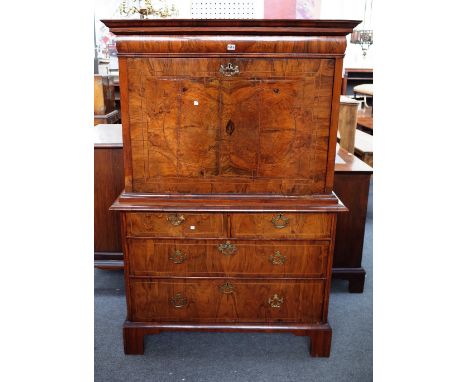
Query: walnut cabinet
x,y
228,215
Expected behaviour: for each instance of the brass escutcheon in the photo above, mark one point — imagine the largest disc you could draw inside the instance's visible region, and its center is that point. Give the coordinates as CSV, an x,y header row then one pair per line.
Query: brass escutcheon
x,y
275,301
179,301
226,288
229,70
175,219
227,249
280,221
277,258
177,257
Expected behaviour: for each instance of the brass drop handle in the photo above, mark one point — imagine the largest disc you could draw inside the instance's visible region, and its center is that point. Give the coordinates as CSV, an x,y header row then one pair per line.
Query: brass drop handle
x,y
177,257
275,301
280,221
229,70
175,219
227,249
277,258
226,288
179,301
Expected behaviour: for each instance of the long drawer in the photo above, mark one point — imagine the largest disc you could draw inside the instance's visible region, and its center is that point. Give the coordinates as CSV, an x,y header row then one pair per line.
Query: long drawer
x,y
226,300
222,257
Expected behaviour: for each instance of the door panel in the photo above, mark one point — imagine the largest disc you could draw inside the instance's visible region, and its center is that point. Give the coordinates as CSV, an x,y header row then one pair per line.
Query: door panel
x,y
198,128
239,127
263,129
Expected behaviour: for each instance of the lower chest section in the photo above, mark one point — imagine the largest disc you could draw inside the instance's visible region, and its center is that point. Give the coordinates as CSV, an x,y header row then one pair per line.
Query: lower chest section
x,y
228,267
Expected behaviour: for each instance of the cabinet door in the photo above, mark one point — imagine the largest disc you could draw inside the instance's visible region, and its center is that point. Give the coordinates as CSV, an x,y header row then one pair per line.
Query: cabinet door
x,y
173,121
275,124
229,125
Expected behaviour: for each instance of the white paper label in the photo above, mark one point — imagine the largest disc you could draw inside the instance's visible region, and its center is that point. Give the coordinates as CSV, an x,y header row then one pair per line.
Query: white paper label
x,y
231,47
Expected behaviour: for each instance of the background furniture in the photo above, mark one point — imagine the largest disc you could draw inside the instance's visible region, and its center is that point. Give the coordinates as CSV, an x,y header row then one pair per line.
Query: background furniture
x,y
108,184
228,213
103,95
365,123
366,93
352,177
353,77
105,110
347,122
363,147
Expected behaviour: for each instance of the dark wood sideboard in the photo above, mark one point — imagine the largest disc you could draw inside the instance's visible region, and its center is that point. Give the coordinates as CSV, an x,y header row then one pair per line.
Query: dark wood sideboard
x,y
352,178
228,213
353,77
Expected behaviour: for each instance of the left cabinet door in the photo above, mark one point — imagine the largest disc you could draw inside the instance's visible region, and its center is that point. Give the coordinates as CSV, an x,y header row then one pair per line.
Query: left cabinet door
x,y
174,119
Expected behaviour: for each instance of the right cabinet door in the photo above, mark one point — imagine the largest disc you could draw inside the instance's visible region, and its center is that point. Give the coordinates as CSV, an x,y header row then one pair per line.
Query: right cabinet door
x,y
275,123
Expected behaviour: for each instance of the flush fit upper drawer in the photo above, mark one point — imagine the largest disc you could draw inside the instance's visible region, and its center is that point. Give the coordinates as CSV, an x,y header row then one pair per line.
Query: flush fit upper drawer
x,y
232,44
282,225
174,225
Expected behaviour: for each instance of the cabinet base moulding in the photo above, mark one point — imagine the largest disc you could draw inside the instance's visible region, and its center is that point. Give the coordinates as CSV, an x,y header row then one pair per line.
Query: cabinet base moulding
x,y
135,332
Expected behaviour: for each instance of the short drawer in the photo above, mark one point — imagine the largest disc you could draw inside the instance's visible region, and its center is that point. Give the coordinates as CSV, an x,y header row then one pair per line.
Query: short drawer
x,y
225,257
226,300
175,225
282,225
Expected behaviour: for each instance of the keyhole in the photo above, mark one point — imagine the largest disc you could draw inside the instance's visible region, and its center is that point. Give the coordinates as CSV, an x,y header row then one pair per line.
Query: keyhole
x,y
230,127
276,90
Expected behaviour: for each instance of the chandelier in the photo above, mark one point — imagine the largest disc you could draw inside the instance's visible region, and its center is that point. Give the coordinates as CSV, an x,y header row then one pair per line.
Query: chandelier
x,y
364,36
145,8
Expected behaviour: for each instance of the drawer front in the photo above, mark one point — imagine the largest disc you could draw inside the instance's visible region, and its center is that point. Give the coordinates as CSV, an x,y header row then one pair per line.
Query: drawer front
x,y
175,225
227,300
279,225
227,258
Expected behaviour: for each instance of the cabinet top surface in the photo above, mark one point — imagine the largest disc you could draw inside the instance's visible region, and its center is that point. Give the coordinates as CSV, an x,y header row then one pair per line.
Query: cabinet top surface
x,y
219,26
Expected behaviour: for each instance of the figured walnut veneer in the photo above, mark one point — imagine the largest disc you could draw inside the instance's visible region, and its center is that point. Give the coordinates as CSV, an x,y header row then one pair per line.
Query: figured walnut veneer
x,y
228,214
263,130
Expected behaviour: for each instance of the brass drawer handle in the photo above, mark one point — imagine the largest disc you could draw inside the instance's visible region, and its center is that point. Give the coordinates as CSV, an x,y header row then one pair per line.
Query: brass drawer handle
x,y
280,221
179,301
227,249
275,301
175,219
229,70
177,257
226,288
277,258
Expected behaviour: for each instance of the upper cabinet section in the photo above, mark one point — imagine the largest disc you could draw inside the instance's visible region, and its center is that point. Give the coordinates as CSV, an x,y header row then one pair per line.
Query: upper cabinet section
x,y
230,106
